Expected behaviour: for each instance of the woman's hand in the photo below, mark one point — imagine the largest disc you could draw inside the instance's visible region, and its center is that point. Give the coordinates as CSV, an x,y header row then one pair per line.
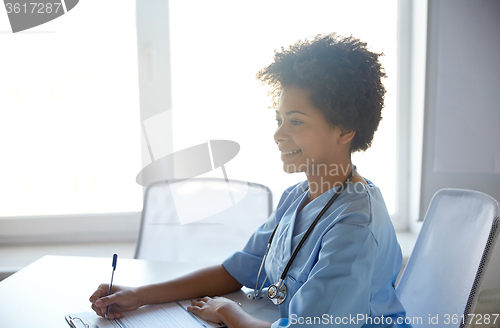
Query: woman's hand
x,y
123,299
213,309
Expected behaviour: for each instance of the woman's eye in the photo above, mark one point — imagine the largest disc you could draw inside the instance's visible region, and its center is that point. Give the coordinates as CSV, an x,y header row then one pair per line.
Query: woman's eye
x,y
278,121
295,122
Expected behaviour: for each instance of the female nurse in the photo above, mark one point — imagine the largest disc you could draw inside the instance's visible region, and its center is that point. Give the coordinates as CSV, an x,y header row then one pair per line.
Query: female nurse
x,y
333,252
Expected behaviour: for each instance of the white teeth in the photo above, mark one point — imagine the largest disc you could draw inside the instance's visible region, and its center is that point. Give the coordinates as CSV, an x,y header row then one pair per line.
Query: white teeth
x,y
289,152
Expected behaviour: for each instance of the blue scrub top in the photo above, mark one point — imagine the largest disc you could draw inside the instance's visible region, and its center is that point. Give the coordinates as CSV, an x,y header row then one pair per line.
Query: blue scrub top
x,y
345,272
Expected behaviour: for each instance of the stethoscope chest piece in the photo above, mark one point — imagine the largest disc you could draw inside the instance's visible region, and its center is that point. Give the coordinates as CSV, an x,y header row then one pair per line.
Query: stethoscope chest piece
x,y
277,293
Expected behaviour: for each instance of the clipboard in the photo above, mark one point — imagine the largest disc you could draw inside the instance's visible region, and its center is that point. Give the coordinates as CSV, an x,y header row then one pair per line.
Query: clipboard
x,y
172,314
76,322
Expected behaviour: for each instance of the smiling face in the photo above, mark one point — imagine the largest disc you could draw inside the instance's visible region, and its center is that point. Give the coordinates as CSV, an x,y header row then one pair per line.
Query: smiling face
x,y
304,137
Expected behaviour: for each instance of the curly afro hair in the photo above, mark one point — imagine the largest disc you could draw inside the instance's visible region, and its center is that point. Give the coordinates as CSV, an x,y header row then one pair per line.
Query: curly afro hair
x,y
343,77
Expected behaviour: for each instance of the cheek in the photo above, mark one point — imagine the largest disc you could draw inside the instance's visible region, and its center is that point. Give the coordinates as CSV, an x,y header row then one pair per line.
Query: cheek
x,y
311,147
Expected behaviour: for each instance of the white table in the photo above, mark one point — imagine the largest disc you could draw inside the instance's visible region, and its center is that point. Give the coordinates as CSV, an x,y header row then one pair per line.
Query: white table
x,y
46,290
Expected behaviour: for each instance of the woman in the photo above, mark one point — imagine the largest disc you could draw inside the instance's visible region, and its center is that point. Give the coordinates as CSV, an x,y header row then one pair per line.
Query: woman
x,y
329,96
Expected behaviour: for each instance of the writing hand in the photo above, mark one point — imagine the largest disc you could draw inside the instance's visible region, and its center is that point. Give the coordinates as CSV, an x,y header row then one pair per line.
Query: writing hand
x,y
123,299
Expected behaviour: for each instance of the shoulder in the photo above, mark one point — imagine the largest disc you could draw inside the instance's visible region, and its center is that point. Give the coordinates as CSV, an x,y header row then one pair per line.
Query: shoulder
x,y
364,206
349,243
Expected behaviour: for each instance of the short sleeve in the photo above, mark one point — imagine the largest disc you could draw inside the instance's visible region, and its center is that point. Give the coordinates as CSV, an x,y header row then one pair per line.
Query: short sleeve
x,y
244,265
338,287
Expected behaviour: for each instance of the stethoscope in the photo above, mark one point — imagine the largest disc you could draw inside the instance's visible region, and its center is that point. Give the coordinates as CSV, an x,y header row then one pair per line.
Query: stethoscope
x,y
277,292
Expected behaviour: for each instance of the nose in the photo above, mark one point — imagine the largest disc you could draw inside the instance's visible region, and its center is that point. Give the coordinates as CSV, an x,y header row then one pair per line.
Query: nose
x,y
281,135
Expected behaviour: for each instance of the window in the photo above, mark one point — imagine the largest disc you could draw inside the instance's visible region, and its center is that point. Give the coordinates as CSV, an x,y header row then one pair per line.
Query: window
x,y
69,118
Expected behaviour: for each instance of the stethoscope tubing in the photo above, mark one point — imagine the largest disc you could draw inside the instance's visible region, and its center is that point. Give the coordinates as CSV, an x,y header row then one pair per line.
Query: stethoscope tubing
x,y
303,240
256,294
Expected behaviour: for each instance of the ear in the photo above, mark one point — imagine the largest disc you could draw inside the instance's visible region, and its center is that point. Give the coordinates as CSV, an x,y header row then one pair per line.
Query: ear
x,y
346,136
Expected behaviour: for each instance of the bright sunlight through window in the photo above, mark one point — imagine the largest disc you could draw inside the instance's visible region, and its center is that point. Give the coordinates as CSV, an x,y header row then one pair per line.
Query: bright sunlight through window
x,y
69,114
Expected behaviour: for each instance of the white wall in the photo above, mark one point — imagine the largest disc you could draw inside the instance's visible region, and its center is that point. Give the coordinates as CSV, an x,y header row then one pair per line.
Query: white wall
x,y
462,114
462,106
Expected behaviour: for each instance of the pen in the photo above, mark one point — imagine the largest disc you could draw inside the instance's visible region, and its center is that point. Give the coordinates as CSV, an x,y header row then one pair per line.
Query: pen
x,y
115,257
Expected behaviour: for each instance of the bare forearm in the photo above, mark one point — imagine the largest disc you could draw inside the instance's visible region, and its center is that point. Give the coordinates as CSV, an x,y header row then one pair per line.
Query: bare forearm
x,y
211,281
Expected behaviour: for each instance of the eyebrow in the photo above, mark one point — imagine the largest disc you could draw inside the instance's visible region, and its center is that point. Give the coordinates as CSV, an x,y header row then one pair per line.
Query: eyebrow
x,y
293,111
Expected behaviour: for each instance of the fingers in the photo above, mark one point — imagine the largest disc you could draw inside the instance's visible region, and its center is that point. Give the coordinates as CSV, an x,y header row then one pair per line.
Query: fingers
x,y
205,308
97,305
100,291
194,309
200,302
116,315
98,311
197,305
109,299
205,299
101,311
103,301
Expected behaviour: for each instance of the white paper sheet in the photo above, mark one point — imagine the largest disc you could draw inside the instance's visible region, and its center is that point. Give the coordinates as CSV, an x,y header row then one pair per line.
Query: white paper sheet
x,y
165,315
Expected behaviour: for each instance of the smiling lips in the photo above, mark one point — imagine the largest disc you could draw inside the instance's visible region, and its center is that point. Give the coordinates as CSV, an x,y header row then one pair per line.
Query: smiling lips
x,y
284,153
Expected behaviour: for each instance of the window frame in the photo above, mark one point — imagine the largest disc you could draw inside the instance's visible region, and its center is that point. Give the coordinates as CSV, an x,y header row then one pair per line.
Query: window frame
x,y
412,54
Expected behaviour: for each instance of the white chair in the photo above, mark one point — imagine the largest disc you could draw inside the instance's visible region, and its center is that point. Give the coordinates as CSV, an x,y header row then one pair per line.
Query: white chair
x,y
200,219
443,277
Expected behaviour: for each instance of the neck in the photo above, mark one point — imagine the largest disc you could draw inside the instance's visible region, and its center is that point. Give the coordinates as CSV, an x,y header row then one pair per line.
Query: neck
x,y
323,177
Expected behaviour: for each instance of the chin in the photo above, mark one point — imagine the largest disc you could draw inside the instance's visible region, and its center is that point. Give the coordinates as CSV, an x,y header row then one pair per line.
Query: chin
x,y
291,168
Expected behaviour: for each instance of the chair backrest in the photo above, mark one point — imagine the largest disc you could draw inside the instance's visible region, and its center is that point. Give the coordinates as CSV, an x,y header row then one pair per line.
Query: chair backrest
x,y
444,274
200,219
